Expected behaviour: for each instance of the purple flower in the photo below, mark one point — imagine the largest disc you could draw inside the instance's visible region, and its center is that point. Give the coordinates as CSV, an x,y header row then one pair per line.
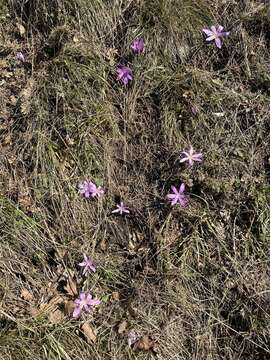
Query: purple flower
x,y
124,74
84,302
138,45
121,209
216,33
89,189
178,196
20,56
191,156
87,264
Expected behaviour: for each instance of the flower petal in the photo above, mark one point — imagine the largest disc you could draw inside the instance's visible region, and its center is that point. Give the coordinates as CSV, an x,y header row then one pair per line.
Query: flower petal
x,y
210,38
207,32
182,188
76,312
218,43
82,296
95,302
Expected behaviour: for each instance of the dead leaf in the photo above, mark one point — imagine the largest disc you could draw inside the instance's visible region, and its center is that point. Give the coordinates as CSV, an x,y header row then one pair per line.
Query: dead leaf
x,y
21,28
71,287
56,317
115,295
52,305
69,307
122,327
89,333
145,343
26,295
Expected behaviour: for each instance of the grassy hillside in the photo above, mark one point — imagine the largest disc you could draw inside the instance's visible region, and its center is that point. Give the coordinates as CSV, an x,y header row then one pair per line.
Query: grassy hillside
x,y
192,283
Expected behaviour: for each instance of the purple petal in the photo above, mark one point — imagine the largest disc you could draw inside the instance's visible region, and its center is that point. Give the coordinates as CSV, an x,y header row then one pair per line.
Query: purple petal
x,y
77,301
95,302
89,298
220,28
76,312
183,159
207,32
218,43
174,189
92,267
210,38
116,211
82,264
174,201
82,296
182,188
213,28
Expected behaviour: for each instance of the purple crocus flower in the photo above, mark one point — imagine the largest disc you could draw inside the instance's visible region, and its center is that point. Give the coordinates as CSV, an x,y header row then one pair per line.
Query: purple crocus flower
x,y
84,302
124,74
216,33
178,196
87,264
89,189
191,156
138,45
20,56
121,209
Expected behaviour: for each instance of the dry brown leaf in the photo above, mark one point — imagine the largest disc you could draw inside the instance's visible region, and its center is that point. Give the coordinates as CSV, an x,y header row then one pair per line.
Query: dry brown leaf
x,y
51,306
69,307
145,343
71,287
56,317
89,333
26,295
122,327
115,295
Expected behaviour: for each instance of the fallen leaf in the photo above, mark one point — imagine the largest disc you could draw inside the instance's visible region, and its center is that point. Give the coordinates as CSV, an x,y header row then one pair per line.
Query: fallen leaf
x,y
52,305
145,343
56,317
89,332
115,295
122,327
26,295
69,307
71,287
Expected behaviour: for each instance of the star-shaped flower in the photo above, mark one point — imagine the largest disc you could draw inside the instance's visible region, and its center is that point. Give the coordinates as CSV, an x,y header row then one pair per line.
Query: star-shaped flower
x,y
191,156
87,264
121,209
84,302
124,74
216,33
138,45
178,196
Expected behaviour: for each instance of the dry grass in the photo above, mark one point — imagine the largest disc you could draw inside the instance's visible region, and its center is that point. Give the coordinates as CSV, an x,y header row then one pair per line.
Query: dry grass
x,y
195,280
